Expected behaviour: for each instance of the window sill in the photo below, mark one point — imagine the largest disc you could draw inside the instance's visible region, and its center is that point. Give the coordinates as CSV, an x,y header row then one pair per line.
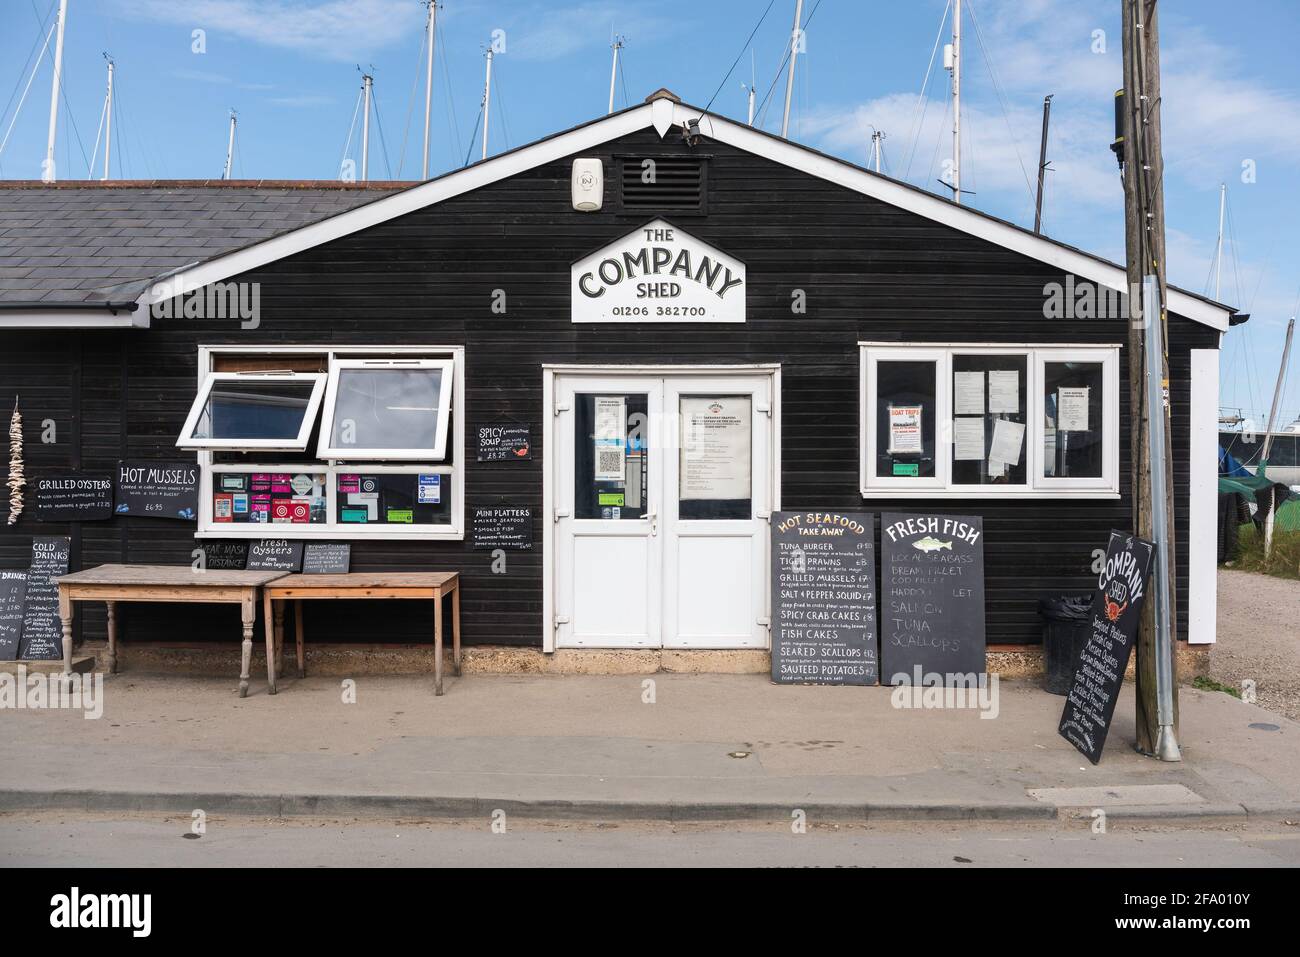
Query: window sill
x,y
295,532
975,493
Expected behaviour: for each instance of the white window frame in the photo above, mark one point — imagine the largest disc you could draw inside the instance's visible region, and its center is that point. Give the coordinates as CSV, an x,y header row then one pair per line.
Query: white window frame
x,y
299,444
333,530
324,450
940,485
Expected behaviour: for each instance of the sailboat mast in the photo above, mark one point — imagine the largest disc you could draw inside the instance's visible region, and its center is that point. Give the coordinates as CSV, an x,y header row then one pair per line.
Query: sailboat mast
x,y
1042,164
956,101
789,79
48,173
230,146
487,100
1218,255
108,117
613,72
428,87
366,81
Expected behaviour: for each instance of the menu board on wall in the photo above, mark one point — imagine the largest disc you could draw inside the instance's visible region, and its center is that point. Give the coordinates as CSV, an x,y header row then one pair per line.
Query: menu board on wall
x,y
932,598
73,497
503,526
504,443
158,489
13,588
823,598
326,558
274,555
224,556
1113,620
42,638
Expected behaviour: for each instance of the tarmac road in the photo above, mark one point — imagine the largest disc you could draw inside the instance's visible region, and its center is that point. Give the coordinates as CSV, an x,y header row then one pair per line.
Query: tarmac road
x,y
66,839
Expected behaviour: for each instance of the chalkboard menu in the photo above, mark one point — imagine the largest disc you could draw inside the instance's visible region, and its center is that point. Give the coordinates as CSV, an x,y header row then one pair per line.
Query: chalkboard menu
x,y
73,498
158,489
1113,619
504,443
327,558
224,556
274,555
42,630
503,526
13,586
932,598
824,598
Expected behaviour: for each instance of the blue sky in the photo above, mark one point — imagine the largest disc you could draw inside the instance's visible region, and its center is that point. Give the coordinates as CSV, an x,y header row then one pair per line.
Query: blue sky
x,y
1232,97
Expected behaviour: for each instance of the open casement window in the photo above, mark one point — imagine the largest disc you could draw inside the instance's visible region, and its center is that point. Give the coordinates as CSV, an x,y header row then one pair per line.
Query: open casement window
x,y
386,409
985,421
272,411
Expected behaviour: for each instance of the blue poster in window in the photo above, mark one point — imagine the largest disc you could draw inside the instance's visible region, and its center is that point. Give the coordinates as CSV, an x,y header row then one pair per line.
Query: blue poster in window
x,y
430,489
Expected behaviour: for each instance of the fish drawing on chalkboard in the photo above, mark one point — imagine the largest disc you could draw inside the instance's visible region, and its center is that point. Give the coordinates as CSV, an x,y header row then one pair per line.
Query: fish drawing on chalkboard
x,y
931,544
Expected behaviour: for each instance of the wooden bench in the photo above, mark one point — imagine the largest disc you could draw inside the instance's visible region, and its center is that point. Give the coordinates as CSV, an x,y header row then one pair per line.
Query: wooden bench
x,y
433,586
161,583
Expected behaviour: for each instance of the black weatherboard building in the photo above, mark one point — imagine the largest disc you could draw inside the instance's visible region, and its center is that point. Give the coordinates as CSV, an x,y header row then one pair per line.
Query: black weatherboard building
x,y
686,332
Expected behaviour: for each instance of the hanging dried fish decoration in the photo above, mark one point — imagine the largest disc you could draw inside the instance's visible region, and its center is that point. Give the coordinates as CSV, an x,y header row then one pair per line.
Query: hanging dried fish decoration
x,y
16,479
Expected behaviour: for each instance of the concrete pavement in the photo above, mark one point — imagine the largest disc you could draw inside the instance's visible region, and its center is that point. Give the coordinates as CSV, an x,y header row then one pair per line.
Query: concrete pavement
x,y
668,747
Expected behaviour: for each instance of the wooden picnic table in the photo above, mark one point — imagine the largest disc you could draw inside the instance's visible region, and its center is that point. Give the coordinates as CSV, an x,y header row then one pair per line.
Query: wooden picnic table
x,y
401,585
162,583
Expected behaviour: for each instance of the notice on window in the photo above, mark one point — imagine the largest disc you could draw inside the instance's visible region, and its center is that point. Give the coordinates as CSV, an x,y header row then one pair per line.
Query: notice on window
x,y
1008,441
968,394
1072,408
1004,391
610,437
968,438
905,430
715,456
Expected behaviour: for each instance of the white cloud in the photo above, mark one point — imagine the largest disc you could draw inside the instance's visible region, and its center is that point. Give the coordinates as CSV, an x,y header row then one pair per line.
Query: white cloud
x,y
333,29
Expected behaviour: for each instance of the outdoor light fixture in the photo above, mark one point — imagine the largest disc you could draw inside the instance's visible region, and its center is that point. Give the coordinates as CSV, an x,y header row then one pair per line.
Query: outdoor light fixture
x,y
691,132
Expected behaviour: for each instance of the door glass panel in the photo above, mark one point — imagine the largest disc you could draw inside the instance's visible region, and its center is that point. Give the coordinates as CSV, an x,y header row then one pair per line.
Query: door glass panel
x,y
1072,423
989,402
714,478
610,455
905,400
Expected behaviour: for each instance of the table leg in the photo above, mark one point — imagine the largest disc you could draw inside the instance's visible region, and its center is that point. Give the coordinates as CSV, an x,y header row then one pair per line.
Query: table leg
x,y
437,643
112,636
248,609
297,633
268,621
279,638
65,614
455,628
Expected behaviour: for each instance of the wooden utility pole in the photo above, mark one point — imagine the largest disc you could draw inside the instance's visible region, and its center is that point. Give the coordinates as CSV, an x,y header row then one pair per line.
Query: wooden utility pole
x,y
1144,234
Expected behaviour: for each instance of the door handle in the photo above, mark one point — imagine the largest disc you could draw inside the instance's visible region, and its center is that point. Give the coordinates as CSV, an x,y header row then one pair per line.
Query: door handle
x,y
654,521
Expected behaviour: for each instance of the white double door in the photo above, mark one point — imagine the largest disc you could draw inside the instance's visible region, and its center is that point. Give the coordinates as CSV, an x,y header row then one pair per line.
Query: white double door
x,y
663,495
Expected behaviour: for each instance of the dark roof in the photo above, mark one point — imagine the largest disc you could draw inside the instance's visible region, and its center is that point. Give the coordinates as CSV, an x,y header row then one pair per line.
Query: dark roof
x,y
85,243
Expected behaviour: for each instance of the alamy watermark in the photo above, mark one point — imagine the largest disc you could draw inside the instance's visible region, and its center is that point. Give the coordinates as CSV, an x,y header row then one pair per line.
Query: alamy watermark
x,y
214,300
48,692
933,690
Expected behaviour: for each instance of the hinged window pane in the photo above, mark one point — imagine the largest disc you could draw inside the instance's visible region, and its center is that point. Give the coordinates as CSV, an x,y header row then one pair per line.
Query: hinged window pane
x,y
386,409
239,411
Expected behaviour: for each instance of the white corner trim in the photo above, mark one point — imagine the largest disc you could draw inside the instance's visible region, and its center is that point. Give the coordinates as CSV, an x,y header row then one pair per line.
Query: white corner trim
x,y
662,115
1203,501
74,319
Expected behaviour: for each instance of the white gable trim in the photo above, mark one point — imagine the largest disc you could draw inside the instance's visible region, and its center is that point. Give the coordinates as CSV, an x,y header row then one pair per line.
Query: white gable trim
x,y
73,319
657,115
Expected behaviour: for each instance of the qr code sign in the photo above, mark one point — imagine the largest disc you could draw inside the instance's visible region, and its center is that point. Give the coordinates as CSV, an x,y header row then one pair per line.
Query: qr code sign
x,y
609,461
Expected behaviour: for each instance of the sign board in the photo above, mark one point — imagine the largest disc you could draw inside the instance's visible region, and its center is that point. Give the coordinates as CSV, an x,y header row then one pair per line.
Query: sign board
x,y
824,598
224,556
932,598
13,588
1116,609
274,555
42,638
658,273
73,498
327,558
504,443
158,489
715,454
503,526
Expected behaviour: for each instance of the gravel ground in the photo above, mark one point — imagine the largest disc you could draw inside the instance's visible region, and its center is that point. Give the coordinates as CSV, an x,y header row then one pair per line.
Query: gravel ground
x,y
1259,638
